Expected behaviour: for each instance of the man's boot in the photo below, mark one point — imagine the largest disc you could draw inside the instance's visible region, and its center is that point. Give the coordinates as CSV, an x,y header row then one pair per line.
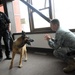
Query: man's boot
x,y
70,67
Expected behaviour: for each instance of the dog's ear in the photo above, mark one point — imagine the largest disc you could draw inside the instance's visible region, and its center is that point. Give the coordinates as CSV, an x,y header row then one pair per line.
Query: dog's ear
x,y
23,34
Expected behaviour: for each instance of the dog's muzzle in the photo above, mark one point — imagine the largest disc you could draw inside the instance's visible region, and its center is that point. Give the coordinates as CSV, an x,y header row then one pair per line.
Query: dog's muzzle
x,y
29,41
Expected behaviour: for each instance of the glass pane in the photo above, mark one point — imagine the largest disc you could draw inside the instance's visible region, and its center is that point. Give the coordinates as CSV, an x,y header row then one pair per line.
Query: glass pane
x,y
47,3
39,22
24,17
39,4
65,12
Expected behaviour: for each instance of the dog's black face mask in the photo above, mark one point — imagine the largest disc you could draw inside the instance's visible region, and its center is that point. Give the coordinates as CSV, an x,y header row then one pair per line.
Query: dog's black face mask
x,y
29,40
25,40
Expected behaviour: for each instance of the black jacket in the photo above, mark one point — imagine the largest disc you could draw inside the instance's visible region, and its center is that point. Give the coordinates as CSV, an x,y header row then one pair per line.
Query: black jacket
x,y
4,21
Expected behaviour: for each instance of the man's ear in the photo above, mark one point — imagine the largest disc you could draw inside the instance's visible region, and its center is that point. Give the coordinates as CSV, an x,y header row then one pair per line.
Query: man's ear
x,y
23,34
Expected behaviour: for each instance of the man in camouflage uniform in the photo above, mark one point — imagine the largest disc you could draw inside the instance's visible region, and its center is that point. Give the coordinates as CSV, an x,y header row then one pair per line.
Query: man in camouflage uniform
x,y
63,44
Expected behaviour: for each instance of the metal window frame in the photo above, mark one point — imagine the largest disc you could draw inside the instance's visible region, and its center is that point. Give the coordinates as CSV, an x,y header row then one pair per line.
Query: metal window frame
x,y
39,30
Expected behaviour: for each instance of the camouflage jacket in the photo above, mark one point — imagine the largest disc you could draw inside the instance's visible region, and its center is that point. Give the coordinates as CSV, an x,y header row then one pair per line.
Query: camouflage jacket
x,y
63,38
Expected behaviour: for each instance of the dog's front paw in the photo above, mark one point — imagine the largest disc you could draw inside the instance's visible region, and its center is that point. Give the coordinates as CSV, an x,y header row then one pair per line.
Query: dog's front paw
x,y
25,59
20,66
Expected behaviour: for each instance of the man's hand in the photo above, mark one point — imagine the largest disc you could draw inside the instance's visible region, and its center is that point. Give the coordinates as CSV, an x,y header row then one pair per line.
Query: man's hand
x,y
47,37
9,27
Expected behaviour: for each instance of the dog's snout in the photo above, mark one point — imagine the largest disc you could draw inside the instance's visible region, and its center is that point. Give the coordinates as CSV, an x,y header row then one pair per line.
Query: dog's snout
x,y
31,40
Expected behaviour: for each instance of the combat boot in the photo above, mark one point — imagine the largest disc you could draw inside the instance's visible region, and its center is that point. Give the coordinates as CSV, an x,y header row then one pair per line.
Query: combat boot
x,y
70,67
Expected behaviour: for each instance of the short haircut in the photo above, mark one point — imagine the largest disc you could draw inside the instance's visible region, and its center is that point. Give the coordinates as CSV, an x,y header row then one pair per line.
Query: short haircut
x,y
55,21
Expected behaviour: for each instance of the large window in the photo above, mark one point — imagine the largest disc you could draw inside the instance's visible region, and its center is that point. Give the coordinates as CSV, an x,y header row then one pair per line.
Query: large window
x,y
60,9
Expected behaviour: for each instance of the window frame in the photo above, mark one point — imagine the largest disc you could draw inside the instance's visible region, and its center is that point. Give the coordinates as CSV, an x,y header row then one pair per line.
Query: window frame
x,y
31,21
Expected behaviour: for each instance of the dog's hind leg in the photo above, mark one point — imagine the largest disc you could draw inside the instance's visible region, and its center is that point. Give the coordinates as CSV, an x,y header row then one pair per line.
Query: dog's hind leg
x,y
11,64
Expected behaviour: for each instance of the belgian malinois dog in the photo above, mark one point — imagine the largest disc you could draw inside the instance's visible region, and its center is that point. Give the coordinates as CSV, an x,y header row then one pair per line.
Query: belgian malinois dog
x,y
20,45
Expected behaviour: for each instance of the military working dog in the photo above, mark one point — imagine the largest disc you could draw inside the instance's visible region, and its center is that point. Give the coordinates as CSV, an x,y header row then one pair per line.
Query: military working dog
x,y
20,45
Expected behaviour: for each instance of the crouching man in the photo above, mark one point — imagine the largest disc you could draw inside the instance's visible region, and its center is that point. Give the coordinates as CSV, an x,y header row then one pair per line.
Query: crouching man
x,y
63,43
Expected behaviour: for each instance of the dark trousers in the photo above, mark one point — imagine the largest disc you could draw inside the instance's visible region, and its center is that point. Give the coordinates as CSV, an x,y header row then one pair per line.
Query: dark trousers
x,y
6,39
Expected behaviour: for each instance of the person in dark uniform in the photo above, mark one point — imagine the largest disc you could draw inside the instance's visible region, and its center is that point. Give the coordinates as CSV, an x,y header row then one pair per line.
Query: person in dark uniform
x,y
4,32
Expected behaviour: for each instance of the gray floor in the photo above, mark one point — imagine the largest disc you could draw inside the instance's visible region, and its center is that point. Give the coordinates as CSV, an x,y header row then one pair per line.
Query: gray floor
x,y
37,64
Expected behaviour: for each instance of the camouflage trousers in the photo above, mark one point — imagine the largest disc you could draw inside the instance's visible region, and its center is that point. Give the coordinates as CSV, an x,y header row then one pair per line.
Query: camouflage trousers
x,y
61,53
